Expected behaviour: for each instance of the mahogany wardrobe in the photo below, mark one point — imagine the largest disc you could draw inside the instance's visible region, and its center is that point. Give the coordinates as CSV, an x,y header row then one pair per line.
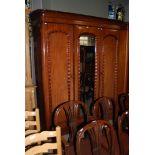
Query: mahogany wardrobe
x,y
59,60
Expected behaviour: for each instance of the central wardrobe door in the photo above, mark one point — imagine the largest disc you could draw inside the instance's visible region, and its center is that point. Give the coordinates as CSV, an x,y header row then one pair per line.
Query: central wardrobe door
x,y
59,66
81,34
87,68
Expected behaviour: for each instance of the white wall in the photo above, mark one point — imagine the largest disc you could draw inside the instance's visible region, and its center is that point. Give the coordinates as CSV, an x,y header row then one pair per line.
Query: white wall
x,y
87,7
36,4
98,8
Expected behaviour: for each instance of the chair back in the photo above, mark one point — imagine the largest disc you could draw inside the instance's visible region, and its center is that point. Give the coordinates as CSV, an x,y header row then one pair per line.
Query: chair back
x,y
70,115
32,122
103,108
123,133
41,144
123,100
96,138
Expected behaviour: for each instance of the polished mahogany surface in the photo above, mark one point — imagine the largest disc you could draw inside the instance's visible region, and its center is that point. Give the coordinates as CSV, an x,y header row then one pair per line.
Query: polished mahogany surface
x,y
98,137
103,108
57,58
123,100
123,133
70,116
67,116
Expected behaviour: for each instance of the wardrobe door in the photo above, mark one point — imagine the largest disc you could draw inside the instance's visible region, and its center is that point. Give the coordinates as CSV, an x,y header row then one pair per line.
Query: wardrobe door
x,y
114,65
57,67
80,58
123,72
109,64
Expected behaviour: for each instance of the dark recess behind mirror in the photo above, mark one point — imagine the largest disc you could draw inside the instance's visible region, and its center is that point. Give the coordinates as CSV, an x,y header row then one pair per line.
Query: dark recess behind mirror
x,y
87,73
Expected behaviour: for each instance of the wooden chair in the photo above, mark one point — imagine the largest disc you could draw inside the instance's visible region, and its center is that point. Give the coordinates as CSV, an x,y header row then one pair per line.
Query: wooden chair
x,y
70,116
45,145
32,122
123,133
123,100
103,108
96,138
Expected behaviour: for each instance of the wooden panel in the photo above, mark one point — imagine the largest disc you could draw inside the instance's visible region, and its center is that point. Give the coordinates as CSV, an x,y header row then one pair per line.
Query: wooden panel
x,y
57,67
30,89
123,72
76,19
109,66
114,65
28,76
30,97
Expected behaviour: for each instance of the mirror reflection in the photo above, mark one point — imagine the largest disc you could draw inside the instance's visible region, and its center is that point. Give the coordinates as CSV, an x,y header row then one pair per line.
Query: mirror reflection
x,y
87,68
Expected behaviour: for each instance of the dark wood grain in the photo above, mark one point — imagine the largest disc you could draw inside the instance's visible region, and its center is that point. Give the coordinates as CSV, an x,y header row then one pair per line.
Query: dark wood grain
x,y
103,108
57,58
99,138
123,133
70,116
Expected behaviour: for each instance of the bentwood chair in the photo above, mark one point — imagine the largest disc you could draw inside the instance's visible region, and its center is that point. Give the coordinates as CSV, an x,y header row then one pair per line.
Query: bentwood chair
x,y
123,133
41,143
70,116
123,100
32,122
103,108
97,138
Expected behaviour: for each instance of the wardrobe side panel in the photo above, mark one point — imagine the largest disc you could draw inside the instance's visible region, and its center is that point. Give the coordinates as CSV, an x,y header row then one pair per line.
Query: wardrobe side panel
x,y
123,79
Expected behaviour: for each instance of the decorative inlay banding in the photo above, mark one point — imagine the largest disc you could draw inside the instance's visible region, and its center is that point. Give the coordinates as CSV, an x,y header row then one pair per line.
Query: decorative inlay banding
x,y
49,64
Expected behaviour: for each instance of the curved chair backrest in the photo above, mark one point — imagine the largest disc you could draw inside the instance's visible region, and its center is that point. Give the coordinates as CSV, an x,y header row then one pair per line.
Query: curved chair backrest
x,y
123,100
97,138
123,133
43,144
32,122
70,115
103,108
